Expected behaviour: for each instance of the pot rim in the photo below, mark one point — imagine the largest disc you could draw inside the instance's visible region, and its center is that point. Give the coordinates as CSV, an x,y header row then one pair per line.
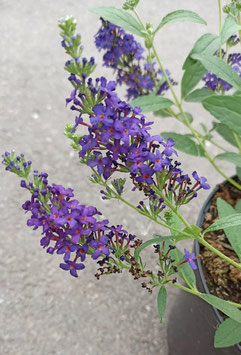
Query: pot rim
x,y
200,221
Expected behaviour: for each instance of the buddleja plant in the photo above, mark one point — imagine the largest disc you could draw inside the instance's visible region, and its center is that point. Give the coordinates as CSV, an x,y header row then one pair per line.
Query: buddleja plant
x,y
118,145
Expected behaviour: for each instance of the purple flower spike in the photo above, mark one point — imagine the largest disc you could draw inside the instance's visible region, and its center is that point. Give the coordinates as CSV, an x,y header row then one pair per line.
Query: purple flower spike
x,y
190,259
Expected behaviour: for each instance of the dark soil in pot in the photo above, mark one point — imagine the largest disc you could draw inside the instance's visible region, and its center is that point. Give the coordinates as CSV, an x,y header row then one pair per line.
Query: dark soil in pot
x,y
192,322
223,280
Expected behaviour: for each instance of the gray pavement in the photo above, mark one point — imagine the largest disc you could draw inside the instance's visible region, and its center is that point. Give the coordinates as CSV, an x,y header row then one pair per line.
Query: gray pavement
x,y
43,310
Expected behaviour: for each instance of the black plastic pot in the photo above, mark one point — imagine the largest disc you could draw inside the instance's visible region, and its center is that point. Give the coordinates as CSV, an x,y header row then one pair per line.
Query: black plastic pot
x,y
192,322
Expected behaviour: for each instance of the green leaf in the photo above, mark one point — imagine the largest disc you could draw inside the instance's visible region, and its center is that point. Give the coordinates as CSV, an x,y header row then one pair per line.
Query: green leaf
x,y
180,16
232,233
161,302
226,109
231,157
193,229
218,67
225,222
208,42
191,77
227,334
194,70
162,113
223,306
230,27
225,132
238,171
238,206
151,103
188,116
172,220
199,95
120,18
184,143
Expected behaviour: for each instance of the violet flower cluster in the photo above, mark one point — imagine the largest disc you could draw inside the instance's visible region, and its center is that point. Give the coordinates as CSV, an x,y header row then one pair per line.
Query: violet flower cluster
x,y
118,139
125,56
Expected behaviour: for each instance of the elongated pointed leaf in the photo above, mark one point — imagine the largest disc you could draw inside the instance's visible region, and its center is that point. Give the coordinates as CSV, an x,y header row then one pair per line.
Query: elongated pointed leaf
x,y
227,334
208,42
151,103
225,222
223,306
180,16
184,143
230,27
191,77
161,302
221,69
227,109
120,18
199,95
232,233
194,70
225,132
231,157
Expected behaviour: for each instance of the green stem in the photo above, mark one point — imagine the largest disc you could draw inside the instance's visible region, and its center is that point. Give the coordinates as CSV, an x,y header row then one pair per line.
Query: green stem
x,y
217,252
199,294
220,25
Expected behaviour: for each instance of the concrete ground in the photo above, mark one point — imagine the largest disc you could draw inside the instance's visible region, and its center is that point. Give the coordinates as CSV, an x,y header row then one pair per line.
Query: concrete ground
x,y
43,310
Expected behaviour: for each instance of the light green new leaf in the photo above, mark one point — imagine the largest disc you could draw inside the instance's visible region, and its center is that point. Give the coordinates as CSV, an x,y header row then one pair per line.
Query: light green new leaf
x,y
161,302
120,18
230,27
184,144
227,334
232,233
151,103
199,95
225,222
231,157
223,306
226,109
180,16
218,67
225,132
